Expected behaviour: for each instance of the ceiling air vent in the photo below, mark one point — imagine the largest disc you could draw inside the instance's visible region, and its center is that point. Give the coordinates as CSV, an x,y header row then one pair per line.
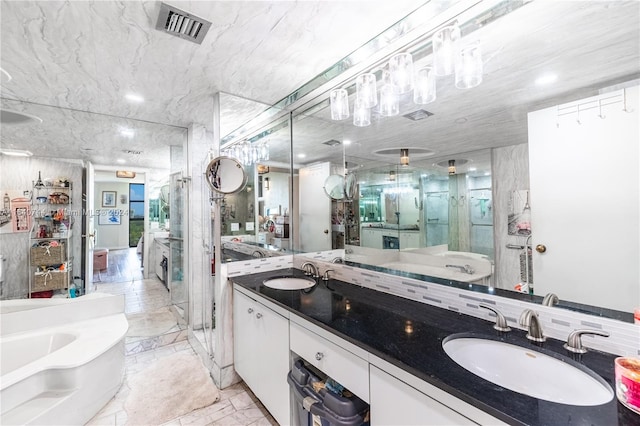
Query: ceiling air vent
x,y
418,115
332,142
182,24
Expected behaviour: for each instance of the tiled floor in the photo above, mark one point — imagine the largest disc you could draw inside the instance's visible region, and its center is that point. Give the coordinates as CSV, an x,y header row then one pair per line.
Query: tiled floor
x,y
237,405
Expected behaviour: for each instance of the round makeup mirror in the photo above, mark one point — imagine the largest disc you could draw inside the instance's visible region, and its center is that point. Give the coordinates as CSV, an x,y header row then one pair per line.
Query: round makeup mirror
x,y
226,175
334,187
350,186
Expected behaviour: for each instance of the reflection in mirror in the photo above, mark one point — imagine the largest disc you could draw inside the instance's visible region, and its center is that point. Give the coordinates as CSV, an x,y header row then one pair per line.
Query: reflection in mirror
x,y
334,187
468,213
418,215
255,221
225,175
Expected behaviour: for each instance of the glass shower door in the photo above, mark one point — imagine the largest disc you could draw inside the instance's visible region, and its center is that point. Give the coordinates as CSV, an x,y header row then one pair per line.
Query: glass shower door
x,y
178,287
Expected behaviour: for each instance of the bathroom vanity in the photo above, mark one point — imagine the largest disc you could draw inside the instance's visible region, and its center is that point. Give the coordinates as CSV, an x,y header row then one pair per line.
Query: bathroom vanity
x,y
389,352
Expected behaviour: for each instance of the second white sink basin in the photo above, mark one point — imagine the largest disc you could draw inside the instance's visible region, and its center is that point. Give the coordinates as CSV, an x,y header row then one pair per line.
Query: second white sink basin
x,y
289,283
528,372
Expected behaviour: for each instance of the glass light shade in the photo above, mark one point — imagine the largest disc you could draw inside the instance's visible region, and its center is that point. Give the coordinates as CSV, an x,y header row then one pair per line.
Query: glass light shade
x,y
445,44
401,72
361,114
404,157
424,91
469,67
366,89
389,101
452,167
339,100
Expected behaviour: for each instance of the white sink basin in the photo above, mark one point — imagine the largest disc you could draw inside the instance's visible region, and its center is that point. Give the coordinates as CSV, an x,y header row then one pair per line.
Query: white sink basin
x,y
528,372
289,283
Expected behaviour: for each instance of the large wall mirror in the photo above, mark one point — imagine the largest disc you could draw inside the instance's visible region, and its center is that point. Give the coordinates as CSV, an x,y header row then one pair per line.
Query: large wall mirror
x,y
442,179
255,221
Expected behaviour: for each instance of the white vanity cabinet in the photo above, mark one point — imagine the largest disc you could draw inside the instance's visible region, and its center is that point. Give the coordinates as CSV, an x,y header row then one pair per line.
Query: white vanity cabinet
x,y
409,239
395,402
261,352
399,398
370,237
347,368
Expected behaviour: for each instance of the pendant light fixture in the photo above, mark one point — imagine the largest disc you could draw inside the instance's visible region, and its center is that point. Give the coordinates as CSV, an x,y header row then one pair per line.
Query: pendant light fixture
x,y
424,91
404,157
469,66
445,48
367,90
361,113
452,167
401,72
389,98
339,100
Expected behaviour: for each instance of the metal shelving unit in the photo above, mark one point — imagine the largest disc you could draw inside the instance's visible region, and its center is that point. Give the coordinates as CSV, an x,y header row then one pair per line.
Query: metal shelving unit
x,y
50,244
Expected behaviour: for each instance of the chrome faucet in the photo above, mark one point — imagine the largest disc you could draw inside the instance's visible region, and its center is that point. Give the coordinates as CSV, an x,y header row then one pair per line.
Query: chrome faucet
x,y
574,341
325,276
550,299
310,269
501,322
467,269
337,260
529,319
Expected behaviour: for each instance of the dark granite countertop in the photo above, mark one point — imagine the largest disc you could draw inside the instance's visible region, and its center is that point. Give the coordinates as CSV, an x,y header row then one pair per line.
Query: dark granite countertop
x,y
376,322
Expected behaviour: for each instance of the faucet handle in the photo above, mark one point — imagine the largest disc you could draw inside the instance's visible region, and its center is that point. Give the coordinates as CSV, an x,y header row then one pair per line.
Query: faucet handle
x,y
574,341
550,299
325,276
529,319
501,322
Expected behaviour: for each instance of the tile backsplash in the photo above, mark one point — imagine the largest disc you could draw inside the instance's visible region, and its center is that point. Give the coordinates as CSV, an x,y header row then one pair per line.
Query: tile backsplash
x,y
557,323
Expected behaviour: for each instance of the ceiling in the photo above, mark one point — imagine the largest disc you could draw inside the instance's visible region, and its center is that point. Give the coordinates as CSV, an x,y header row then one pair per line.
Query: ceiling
x,y
589,45
73,63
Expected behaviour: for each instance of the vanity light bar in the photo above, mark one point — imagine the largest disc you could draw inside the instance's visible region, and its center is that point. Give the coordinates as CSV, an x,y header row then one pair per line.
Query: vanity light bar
x,y
182,24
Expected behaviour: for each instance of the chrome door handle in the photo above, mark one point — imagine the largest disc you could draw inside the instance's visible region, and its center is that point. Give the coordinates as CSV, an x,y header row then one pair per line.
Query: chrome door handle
x,y
319,356
258,315
250,310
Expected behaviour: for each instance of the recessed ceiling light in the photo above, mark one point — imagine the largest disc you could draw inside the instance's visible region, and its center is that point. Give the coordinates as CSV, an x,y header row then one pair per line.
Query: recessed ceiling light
x,y
472,169
545,79
127,133
132,97
16,152
302,155
120,161
346,142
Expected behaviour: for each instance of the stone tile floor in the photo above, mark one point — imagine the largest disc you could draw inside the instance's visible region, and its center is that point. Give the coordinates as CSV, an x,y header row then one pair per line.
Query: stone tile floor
x,y
237,404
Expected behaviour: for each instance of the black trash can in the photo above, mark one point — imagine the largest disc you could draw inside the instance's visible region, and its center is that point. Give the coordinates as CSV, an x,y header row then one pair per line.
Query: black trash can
x,y
333,409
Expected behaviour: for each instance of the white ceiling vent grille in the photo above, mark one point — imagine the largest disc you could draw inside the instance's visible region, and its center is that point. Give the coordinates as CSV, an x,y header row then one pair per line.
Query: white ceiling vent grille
x,y
182,24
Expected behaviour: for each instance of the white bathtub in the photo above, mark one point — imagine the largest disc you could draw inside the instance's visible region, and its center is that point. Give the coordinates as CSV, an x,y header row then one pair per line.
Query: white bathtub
x,y
62,359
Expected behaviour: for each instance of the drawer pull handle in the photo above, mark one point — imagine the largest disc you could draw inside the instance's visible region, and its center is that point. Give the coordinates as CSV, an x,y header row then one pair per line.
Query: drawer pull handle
x,y
319,356
258,315
250,310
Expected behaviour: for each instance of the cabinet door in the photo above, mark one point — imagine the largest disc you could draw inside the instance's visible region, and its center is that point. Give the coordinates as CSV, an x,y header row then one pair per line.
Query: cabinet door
x,y
409,240
270,356
393,402
261,353
371,238
244,338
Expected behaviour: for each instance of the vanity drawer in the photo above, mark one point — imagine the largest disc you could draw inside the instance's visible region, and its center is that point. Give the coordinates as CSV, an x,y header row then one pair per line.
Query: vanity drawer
x,y
341,365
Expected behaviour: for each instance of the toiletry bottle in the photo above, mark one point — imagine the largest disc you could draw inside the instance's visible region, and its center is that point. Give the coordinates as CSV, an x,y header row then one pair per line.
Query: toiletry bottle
x,y
72,291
